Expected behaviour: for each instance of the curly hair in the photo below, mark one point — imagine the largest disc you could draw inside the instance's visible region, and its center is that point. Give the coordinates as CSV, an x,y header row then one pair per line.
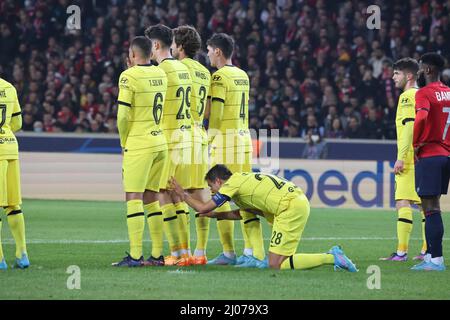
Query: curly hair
x,y
188,38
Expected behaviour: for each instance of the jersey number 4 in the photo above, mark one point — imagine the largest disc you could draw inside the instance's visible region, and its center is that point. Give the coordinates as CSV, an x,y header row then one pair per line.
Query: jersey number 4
x,y
242,111
2,116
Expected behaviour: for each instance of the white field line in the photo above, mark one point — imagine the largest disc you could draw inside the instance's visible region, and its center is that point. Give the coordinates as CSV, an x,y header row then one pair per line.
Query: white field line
x,y
76,241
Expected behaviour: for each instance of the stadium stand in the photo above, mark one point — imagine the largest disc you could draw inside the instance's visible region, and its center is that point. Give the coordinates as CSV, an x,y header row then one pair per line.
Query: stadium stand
x,y
315,68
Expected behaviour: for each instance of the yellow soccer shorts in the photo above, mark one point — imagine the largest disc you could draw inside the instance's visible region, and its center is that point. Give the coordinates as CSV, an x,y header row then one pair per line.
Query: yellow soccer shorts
x,y
199,165
10,194
288,227
177,165
142,171
405,187
236,162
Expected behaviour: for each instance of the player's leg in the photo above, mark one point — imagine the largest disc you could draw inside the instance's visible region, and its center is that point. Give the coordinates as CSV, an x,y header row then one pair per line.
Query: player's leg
x,y
152,207
3,203
135,170
201,227
14,213
287,230
170,218
225,228
432,177
200,191
423,250
182,209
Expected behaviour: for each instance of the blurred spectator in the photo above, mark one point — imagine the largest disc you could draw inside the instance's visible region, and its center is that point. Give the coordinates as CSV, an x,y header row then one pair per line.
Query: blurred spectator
x,y
315,147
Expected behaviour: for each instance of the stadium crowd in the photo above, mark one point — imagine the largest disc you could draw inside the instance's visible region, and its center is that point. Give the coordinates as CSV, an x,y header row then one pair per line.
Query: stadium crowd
x,y
314,66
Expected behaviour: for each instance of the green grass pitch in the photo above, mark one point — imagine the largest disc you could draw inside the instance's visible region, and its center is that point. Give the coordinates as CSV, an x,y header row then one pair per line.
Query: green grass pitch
x,y
91,235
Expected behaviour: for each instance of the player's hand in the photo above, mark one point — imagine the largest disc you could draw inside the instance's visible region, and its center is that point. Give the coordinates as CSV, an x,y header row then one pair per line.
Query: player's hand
x,y
416,152
179,191
399,166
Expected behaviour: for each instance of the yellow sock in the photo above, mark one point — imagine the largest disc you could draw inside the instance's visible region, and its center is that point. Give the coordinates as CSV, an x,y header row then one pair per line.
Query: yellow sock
x,y
303,261
16,224
404,228
170,226
226,230
202,230
251,226
424,239
187,213
155,225
1,247
136,224
182,225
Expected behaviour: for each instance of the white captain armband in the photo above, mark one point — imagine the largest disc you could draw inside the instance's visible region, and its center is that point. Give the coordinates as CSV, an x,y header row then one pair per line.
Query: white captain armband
x,y
219,199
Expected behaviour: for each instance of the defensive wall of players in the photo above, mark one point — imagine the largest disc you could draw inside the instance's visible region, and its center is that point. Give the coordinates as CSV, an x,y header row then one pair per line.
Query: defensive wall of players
x,y
81,167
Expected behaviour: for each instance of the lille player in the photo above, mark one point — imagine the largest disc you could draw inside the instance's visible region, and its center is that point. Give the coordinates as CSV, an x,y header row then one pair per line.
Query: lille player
x,y
176,123
405,74
142,92
185,45
10,193
281,202
230,144
432,149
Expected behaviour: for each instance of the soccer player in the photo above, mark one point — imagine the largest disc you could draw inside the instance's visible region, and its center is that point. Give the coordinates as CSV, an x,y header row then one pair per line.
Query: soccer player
x,y
185,45
405,75
432,149
176,123
142,92
230,144
281,202
10,194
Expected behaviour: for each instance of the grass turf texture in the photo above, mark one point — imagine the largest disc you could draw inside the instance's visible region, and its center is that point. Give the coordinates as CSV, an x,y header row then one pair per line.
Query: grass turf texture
x,y
91,235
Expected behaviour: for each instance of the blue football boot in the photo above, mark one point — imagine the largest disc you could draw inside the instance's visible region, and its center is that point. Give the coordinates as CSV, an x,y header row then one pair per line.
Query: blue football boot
x,y
23,262
222,260
3,265
128,261
341,261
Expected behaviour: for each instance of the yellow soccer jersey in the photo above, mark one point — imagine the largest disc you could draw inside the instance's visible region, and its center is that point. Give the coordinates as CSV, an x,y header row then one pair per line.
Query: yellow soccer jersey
x,y
264,192
201,79
176,120
404,123
142,88
10,121
230,85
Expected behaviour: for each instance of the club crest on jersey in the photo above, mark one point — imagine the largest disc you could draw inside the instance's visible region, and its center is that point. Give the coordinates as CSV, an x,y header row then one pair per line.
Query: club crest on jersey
x,y
217,78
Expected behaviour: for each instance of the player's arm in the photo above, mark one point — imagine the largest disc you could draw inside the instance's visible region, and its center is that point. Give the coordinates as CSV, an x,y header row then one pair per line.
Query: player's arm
x,y
218,93
228,215
124,107
422,110
198,205
16,117
404,142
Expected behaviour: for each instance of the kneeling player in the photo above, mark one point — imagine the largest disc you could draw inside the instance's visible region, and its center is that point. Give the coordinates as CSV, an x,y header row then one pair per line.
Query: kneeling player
x,y
281,202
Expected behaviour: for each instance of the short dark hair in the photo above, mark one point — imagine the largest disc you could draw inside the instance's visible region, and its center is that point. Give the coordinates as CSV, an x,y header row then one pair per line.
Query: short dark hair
x,y
407,64
222,41
160,32
218,171
188,38
433,59
144,45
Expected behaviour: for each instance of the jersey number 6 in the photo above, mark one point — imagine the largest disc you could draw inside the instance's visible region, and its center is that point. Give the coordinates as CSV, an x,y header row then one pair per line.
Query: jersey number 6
x,y
157,107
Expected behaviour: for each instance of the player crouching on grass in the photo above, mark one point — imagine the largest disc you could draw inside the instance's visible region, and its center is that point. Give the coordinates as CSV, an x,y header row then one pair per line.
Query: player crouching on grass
x,y
281,202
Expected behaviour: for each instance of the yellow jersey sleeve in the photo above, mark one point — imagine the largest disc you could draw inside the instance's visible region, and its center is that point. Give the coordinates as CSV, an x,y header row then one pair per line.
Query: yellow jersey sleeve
x,y
10,121
405,125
